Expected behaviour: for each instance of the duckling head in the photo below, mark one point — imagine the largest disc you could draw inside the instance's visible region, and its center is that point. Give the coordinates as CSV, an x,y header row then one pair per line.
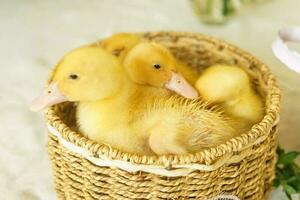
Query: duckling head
x,y
119,44
85,74
220,83
153,64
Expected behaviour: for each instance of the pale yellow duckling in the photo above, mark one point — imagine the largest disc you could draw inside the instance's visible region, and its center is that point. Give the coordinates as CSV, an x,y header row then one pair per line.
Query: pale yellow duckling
x,y
199,127
97,81
148,57
123,43
119,44
115,111
230,87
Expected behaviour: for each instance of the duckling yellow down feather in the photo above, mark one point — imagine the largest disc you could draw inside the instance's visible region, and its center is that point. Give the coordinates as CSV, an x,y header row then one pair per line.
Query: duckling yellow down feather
x,y
127,116
231,88
185,126
150,52
152,64
120,44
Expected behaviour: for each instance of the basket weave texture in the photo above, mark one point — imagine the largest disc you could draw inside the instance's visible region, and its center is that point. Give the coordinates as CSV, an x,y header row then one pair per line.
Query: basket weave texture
x,y
243,166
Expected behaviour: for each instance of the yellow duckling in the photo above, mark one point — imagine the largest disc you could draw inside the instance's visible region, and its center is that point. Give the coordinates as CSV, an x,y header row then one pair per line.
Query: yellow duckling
x,y
147,57
115,111
97,81
200,127
123,43
230,87
119,44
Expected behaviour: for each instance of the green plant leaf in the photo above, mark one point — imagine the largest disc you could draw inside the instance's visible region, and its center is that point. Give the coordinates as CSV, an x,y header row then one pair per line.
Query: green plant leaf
x,y
287,172
289,189
276,182
279,151
225,7
287,158
295,182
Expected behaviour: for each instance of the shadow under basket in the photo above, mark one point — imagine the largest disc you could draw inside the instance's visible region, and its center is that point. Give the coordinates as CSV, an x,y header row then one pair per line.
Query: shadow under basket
x,y
243,166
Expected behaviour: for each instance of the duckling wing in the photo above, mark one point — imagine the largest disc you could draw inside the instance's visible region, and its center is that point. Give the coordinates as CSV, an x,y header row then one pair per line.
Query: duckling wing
x,y
209,130
187,126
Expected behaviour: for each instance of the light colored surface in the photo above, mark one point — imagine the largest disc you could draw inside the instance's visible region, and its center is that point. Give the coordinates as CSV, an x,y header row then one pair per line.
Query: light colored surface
x,y
35,34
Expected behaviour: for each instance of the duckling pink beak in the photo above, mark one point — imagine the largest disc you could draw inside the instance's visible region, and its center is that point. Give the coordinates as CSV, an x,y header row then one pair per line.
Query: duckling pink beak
x,y
178,84
50,96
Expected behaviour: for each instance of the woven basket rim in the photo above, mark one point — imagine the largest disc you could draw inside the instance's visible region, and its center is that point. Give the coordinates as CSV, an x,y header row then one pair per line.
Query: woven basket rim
x,y
257,134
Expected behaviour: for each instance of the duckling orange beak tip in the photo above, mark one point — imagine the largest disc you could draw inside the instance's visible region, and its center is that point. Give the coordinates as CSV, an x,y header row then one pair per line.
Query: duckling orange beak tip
x,y
178,84
50,96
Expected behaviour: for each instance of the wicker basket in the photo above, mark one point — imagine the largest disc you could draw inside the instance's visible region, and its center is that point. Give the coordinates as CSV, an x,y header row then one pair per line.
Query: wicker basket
x,y
243,166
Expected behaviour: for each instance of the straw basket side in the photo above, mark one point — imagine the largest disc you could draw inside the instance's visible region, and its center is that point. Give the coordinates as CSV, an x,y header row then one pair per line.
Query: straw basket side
x,y
243,166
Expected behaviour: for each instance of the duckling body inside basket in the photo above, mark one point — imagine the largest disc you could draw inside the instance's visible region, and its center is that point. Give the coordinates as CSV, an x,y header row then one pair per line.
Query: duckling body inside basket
x,y
230,87
132,117
227,86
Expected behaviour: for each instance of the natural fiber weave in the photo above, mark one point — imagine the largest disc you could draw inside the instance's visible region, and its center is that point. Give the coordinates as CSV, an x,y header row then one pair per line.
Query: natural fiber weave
x,y
243,166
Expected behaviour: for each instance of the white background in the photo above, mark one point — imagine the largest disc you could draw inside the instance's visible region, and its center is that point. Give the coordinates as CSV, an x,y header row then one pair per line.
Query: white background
x,y
35,34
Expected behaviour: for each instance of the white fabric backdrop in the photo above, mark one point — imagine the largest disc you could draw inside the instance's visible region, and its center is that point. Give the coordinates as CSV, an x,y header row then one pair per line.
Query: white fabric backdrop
x,y
35,34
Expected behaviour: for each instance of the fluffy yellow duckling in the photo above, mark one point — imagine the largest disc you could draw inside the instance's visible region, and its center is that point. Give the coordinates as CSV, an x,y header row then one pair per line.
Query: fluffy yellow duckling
x,y
123,43
152,64
97,81
119,44
115,111
230,87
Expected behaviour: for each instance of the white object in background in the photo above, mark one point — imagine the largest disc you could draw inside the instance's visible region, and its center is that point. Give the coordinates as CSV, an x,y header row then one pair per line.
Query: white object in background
x,y
278,194
295,196
287,56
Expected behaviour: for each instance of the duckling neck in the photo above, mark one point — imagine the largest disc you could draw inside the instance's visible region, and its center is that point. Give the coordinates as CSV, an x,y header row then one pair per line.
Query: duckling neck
x,y
110,111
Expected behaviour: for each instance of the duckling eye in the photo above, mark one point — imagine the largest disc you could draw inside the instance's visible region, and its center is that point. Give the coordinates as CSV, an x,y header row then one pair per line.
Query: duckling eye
x,y
73,76
157,66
